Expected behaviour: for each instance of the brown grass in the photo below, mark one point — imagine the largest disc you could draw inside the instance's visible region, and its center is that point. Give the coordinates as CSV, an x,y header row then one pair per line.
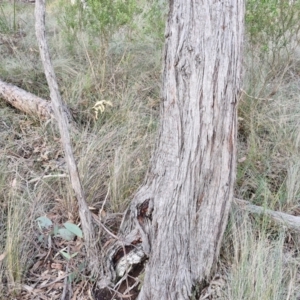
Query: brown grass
x,y
258,259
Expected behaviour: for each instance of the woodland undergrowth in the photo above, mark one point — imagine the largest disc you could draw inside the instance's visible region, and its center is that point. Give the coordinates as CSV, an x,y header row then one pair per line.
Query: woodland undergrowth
x,y
118,59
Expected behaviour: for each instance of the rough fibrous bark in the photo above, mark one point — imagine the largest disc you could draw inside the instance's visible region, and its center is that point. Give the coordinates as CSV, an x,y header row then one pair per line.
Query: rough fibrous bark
x,y
179,215
25,101
193,170
288,221
62,120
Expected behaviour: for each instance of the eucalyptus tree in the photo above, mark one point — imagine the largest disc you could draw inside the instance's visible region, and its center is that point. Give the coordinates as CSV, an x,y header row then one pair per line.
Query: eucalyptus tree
x,y
177,218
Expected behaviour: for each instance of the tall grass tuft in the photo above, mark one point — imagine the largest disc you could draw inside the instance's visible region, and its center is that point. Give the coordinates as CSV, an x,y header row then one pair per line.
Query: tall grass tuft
x,y
262,265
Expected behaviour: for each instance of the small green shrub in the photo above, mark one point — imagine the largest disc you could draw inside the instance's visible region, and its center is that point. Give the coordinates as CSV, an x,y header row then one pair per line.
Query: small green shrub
x,y
100,18
155,20
4,22
68,233
107,15
8,17
272,23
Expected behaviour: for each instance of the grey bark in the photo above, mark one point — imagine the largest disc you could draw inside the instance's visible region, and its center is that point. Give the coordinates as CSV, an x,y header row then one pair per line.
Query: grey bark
x,y
193,170
25,101
180,213
62,120
283,219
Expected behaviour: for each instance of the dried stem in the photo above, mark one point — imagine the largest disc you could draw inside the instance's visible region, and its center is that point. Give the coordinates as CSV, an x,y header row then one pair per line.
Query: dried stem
x,y
62,120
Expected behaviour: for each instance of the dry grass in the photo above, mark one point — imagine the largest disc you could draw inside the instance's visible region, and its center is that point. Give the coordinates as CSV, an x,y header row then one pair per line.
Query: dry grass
x,y
262,265
264,258
112,152
259,260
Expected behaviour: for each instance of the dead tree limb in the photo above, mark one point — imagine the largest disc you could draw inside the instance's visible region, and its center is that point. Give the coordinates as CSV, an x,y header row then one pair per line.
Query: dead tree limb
x,y
25,101
291,222
57,104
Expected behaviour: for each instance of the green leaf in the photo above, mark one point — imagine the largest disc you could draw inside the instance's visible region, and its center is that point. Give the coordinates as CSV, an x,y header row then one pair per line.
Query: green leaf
x,y
44,222
55,230
72,277
74,254
66,234
41,238
82,266
65,254
74,229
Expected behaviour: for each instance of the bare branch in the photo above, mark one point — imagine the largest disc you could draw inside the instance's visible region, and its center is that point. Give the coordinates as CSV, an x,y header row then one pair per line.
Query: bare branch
x,y
58,108
291,222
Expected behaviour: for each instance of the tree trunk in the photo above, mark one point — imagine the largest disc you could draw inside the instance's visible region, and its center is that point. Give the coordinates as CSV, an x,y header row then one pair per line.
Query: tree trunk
x,y
192,173
190,182
178,216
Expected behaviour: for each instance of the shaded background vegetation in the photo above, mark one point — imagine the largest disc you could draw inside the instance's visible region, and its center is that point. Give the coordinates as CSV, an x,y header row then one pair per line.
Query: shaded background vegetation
x,y
112,50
